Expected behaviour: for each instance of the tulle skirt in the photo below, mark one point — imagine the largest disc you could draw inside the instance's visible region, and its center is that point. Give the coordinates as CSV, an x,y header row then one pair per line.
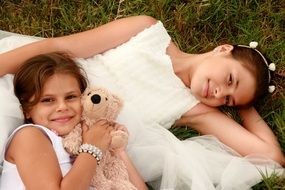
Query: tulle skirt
x,y
198,163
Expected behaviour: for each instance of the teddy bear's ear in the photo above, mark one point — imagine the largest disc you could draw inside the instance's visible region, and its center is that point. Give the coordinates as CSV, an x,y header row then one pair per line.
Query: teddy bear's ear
x,y
118,101
115,106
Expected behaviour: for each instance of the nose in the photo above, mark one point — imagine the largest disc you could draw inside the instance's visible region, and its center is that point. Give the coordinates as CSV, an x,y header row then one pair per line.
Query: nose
x,y
220,92
96,99
217,92
62,106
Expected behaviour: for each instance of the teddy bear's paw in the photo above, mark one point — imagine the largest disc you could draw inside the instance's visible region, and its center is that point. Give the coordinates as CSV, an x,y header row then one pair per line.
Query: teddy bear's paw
x,y
119,139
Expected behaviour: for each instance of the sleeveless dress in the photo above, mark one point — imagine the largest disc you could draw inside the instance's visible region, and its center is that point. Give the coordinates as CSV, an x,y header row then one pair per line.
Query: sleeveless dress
x,y
10,179
141,73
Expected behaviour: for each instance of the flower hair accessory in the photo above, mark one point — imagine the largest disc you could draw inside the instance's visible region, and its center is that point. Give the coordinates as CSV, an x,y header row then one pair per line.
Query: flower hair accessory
x,y
271,66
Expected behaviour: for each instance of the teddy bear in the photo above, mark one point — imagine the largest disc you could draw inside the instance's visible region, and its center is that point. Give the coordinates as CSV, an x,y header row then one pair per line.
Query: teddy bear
x,y
111,173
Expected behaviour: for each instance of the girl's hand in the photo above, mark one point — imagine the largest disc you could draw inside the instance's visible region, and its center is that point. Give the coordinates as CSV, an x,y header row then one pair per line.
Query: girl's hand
x,y
98,135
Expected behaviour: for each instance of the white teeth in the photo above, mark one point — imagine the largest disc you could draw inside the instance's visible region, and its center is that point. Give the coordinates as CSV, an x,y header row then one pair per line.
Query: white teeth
x,y
61,119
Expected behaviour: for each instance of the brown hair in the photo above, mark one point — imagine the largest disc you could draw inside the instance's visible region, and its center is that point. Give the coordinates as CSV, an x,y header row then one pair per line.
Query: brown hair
x,y
32,75
253,61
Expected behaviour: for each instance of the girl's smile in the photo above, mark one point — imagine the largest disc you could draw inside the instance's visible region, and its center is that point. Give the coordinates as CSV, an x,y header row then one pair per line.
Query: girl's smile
x,y
63,119
59,108
205,89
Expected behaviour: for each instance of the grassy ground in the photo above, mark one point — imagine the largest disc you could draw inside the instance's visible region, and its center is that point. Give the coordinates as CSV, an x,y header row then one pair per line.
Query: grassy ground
x,y
195,25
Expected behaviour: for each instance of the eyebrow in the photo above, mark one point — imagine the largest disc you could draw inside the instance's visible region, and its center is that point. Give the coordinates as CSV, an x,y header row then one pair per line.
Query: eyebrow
x,y
67,93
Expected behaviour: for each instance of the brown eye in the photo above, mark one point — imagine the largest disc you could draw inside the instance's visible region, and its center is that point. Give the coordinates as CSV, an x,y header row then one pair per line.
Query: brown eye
x,y
71,97
47,100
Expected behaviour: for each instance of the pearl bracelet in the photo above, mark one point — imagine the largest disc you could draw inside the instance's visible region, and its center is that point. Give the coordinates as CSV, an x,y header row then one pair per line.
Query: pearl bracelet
x,y
93,150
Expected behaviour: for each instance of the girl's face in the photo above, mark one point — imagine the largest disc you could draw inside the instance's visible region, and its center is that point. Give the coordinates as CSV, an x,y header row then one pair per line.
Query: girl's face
x,y
222,80
59,108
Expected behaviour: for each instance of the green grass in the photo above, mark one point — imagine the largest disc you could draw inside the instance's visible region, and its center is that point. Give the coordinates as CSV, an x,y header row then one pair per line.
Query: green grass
x,y
195,25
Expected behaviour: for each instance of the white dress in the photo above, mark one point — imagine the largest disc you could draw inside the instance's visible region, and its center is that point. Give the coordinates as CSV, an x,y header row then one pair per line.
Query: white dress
x,y
141,73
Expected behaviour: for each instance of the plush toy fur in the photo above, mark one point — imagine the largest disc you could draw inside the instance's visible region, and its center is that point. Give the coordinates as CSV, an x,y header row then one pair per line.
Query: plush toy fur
x,y
111,174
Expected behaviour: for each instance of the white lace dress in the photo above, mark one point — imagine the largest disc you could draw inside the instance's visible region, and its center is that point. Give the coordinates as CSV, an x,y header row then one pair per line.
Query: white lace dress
x,y
141,73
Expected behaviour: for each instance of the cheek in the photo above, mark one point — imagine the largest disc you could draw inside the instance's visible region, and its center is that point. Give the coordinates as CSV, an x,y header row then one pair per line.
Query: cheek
x,y
77,107
36,115
39,114
196,85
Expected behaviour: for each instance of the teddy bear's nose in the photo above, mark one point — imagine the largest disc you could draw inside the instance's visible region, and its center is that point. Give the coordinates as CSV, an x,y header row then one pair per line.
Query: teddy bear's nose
x,y
96,99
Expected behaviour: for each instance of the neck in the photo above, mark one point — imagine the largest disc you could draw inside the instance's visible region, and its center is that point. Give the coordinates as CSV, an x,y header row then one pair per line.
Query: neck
x,y
184,65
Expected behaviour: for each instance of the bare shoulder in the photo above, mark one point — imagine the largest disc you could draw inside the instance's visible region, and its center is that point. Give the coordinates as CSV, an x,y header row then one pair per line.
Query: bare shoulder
x,y
27,139
31,133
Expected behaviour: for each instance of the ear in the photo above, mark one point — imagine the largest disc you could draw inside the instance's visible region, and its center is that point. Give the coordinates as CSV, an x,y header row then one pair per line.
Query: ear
x,y
27,115
223,49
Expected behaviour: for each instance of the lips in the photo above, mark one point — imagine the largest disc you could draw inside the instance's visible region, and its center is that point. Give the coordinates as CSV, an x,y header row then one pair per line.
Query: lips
x,y
206,89
63,119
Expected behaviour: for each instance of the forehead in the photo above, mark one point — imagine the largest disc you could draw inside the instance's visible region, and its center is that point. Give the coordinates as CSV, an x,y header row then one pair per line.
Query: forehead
x,y
60,82
246,87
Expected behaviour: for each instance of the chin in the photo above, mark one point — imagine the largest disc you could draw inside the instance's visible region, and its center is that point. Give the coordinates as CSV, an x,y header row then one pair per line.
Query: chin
x,y
209,103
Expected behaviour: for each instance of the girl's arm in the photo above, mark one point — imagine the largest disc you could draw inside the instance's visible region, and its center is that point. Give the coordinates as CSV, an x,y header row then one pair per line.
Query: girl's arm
x,y
255,124
38,167
84,44
255,137
33,154
134,175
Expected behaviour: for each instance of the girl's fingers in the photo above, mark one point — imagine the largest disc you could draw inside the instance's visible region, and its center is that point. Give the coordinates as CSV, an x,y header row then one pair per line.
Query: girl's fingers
x,y
84,127
110,128
116,127
111,123
102,121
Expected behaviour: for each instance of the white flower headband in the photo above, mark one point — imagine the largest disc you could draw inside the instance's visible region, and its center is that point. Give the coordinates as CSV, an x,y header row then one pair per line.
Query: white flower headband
x,y
271,66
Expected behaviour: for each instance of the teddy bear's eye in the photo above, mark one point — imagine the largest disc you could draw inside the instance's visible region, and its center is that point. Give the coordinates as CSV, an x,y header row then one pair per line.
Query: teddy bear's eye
x,y
88,93
106,99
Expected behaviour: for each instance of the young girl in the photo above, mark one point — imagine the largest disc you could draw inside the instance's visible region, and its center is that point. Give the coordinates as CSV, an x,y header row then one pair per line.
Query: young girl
x,y
49,87
162,86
